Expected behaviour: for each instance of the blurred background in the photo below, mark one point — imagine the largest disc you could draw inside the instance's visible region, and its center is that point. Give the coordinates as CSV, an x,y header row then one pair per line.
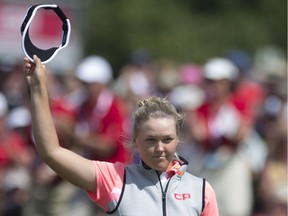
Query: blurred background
x,y
154,48
185,31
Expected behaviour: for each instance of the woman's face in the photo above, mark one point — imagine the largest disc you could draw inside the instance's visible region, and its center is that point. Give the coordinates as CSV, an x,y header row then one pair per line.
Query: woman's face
x,y
157,141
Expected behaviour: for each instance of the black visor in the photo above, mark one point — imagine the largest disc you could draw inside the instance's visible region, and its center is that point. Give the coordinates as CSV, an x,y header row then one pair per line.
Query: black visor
x,y
29,48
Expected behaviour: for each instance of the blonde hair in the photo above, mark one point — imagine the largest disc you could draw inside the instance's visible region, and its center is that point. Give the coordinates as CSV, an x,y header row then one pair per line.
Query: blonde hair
x,y
156,107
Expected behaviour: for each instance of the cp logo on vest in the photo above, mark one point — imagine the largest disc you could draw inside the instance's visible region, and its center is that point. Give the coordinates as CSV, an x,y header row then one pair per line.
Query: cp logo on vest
x,y
182,196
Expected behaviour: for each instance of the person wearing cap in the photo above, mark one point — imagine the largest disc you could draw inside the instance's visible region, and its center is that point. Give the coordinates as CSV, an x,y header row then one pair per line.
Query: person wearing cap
x,y
100,119
16,159
219,128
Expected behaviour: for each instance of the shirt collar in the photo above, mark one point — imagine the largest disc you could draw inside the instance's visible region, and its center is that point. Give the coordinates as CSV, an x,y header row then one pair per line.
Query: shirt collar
x,y
176,168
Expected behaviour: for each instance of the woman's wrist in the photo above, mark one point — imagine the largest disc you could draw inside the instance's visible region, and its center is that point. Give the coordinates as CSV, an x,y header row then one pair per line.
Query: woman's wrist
x,y
39,93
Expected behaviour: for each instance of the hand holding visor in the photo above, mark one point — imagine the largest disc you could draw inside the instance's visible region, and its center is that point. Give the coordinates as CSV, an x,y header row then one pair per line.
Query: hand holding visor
x,y
29,48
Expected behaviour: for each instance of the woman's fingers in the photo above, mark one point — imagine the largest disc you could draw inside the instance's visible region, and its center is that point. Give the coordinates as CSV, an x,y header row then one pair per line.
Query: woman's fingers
x,y
31,66
38,64
26,60
36,60
27,65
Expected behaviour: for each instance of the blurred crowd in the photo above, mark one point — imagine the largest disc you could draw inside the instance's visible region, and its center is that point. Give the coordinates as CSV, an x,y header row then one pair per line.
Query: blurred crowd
x,y
234,135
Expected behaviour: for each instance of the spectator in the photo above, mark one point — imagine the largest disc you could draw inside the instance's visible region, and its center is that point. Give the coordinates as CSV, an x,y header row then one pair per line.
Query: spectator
x,y
271,193
15,164
100,119
219,128
187,97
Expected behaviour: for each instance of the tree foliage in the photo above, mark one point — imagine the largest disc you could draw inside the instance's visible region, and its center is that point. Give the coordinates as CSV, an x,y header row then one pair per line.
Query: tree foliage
x,y
187,30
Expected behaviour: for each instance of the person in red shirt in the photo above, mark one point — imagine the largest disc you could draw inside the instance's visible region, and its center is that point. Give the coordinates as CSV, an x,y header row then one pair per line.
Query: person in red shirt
x,y
101,118
219,127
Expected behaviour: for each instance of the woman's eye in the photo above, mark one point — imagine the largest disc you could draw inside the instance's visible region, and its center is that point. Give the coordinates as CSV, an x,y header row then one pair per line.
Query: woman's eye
x,y
167,140
150,140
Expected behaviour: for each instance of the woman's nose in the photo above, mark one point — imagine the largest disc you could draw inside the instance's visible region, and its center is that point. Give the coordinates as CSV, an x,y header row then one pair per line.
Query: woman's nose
x,y
160,146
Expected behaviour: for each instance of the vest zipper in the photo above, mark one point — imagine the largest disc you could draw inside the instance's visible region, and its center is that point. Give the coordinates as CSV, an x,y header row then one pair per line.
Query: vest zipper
x,y
164,192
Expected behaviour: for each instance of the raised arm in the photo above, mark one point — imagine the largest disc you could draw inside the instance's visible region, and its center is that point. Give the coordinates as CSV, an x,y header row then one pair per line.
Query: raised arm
x,y
69,165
